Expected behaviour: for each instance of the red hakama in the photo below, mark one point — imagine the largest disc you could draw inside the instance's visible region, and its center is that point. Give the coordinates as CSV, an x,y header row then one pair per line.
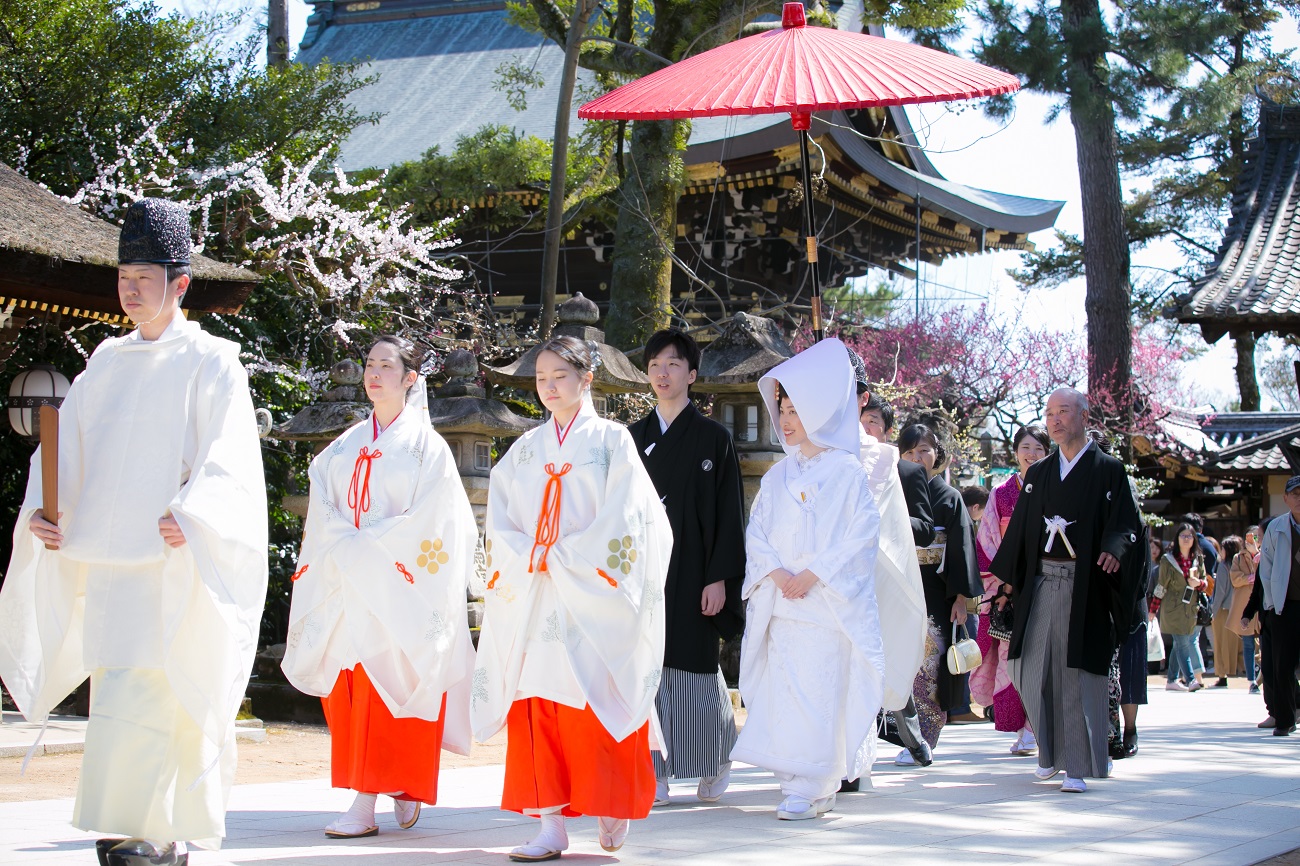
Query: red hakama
x,y
556,755
373,753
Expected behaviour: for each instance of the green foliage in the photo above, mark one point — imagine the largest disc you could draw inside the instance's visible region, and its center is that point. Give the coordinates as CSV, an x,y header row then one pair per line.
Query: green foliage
x,y
497,161
79,76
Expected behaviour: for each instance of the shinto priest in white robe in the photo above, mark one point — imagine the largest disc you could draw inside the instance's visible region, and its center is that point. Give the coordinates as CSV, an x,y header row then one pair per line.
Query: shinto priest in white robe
x,y
167,635
813,670
578,620
387,557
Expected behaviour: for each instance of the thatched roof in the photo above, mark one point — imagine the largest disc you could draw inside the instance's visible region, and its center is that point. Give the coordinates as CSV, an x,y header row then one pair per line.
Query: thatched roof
x,y
53,255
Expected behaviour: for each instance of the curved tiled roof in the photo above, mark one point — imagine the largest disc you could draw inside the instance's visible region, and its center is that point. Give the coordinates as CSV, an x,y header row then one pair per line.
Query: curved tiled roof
x,y
1254,284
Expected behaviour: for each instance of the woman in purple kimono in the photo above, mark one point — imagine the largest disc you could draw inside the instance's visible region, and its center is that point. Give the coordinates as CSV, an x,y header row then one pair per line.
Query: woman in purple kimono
x,y
990,683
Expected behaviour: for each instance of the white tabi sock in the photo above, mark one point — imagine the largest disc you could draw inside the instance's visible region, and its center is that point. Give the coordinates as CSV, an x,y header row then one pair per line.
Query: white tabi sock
x,y
553,835
359,816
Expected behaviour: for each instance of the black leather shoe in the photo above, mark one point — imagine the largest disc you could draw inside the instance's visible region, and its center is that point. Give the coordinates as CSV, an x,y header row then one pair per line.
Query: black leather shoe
x,y
1116,750
1284,732
849,786
142,852
922,754
1130,743
102,847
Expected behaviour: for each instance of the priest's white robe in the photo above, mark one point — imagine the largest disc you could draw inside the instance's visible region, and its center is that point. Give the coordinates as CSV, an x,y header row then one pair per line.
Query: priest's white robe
x,y
580,623
812,669
899,596
387,557
150,428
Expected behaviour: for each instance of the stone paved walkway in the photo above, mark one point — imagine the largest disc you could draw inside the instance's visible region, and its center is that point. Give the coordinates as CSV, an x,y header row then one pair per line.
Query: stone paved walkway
x,y
1208,788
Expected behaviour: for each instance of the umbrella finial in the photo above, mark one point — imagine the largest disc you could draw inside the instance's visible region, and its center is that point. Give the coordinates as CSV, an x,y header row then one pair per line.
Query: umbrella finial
x,y
792,15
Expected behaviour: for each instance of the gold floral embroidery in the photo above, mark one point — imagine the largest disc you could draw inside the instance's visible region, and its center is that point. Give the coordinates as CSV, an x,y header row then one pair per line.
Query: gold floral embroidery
x,y
432,556
621,554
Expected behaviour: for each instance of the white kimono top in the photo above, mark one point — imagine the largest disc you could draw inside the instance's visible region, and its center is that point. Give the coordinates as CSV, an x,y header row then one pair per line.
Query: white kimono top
x,y
381,581
818,514
150,428
577,555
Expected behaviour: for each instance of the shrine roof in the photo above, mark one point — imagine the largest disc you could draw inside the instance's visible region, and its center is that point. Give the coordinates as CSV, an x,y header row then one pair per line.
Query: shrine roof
x,y
1254,283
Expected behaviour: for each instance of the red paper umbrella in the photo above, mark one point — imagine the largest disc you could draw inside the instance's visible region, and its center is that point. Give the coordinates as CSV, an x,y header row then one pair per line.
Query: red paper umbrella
x,y
799,70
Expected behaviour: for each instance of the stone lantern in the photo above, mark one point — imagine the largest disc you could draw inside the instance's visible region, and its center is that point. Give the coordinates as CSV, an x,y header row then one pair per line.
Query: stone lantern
x,y
577,317
463,415
730,368
321,423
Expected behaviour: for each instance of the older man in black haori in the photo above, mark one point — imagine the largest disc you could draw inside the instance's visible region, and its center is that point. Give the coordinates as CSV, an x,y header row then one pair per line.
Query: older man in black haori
x,y
694,466
1070,531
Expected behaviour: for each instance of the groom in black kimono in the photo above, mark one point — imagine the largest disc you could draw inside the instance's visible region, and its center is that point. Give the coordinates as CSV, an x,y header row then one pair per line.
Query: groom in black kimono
x,y
1071,529
693,464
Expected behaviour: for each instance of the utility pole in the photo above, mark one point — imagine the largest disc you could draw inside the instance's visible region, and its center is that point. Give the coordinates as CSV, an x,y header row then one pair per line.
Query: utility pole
x,y
277,33
582,11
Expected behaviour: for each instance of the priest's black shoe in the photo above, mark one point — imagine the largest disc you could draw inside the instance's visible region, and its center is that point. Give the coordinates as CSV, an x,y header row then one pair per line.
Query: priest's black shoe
x,y
1130,743
102,847
142,852
1280,731
922,754
849,786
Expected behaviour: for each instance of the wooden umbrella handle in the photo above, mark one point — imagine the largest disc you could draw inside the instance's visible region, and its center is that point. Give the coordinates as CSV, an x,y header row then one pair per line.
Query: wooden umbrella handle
x,y
50,465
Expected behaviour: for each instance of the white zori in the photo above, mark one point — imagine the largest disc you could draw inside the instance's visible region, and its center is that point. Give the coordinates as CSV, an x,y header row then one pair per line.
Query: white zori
x,y
167,634
386,560
812,670
575,601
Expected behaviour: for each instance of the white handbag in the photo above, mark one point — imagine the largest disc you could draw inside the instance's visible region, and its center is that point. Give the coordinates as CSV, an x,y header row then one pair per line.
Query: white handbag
x,y
964,655
1155,641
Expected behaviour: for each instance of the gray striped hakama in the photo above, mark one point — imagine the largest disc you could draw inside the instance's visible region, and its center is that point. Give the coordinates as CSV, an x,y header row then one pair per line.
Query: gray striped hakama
x,y
698,724
1067,707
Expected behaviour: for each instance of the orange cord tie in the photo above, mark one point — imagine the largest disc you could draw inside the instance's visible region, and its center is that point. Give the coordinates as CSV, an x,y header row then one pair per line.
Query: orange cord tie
x,y
297,574
612,581
406,574
359,489
548,522
493,582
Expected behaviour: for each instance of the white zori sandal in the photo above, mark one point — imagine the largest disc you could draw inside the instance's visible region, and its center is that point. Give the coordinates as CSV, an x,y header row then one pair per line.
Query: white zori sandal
x,y
406,812
613,832
357,822
550,842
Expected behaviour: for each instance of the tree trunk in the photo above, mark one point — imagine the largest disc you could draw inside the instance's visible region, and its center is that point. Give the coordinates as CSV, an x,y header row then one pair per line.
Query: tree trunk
x,y
1247,383
277,33
640,294
559,163
1106,253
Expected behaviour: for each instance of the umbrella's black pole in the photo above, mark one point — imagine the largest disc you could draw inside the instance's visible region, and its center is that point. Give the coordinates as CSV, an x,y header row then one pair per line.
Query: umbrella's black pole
x,y
812,237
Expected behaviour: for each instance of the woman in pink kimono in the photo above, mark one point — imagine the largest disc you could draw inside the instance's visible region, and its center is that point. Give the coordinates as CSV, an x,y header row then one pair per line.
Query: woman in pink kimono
x,y
990,683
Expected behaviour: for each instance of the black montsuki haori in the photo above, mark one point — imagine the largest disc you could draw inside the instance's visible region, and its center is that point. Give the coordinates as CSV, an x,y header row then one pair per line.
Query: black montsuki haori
x,y
694,468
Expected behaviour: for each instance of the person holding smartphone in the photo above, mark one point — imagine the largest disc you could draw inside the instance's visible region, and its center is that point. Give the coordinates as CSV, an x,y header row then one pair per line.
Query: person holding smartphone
x,y
1182,574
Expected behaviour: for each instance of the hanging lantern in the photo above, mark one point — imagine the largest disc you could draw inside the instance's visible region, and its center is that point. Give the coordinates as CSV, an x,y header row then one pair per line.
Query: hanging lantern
x,y
30,390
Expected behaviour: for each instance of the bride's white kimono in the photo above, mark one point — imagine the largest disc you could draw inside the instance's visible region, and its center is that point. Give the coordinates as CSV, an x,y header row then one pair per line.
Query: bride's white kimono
x,y
575,612
813,669
899,596
167,635
386,559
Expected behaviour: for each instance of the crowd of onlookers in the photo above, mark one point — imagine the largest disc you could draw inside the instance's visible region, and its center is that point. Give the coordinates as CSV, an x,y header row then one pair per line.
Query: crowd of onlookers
x,y
1215,618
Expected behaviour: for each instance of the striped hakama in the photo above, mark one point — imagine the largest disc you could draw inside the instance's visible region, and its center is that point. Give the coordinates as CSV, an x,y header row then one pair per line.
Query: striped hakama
x,y
1066,706
699,726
